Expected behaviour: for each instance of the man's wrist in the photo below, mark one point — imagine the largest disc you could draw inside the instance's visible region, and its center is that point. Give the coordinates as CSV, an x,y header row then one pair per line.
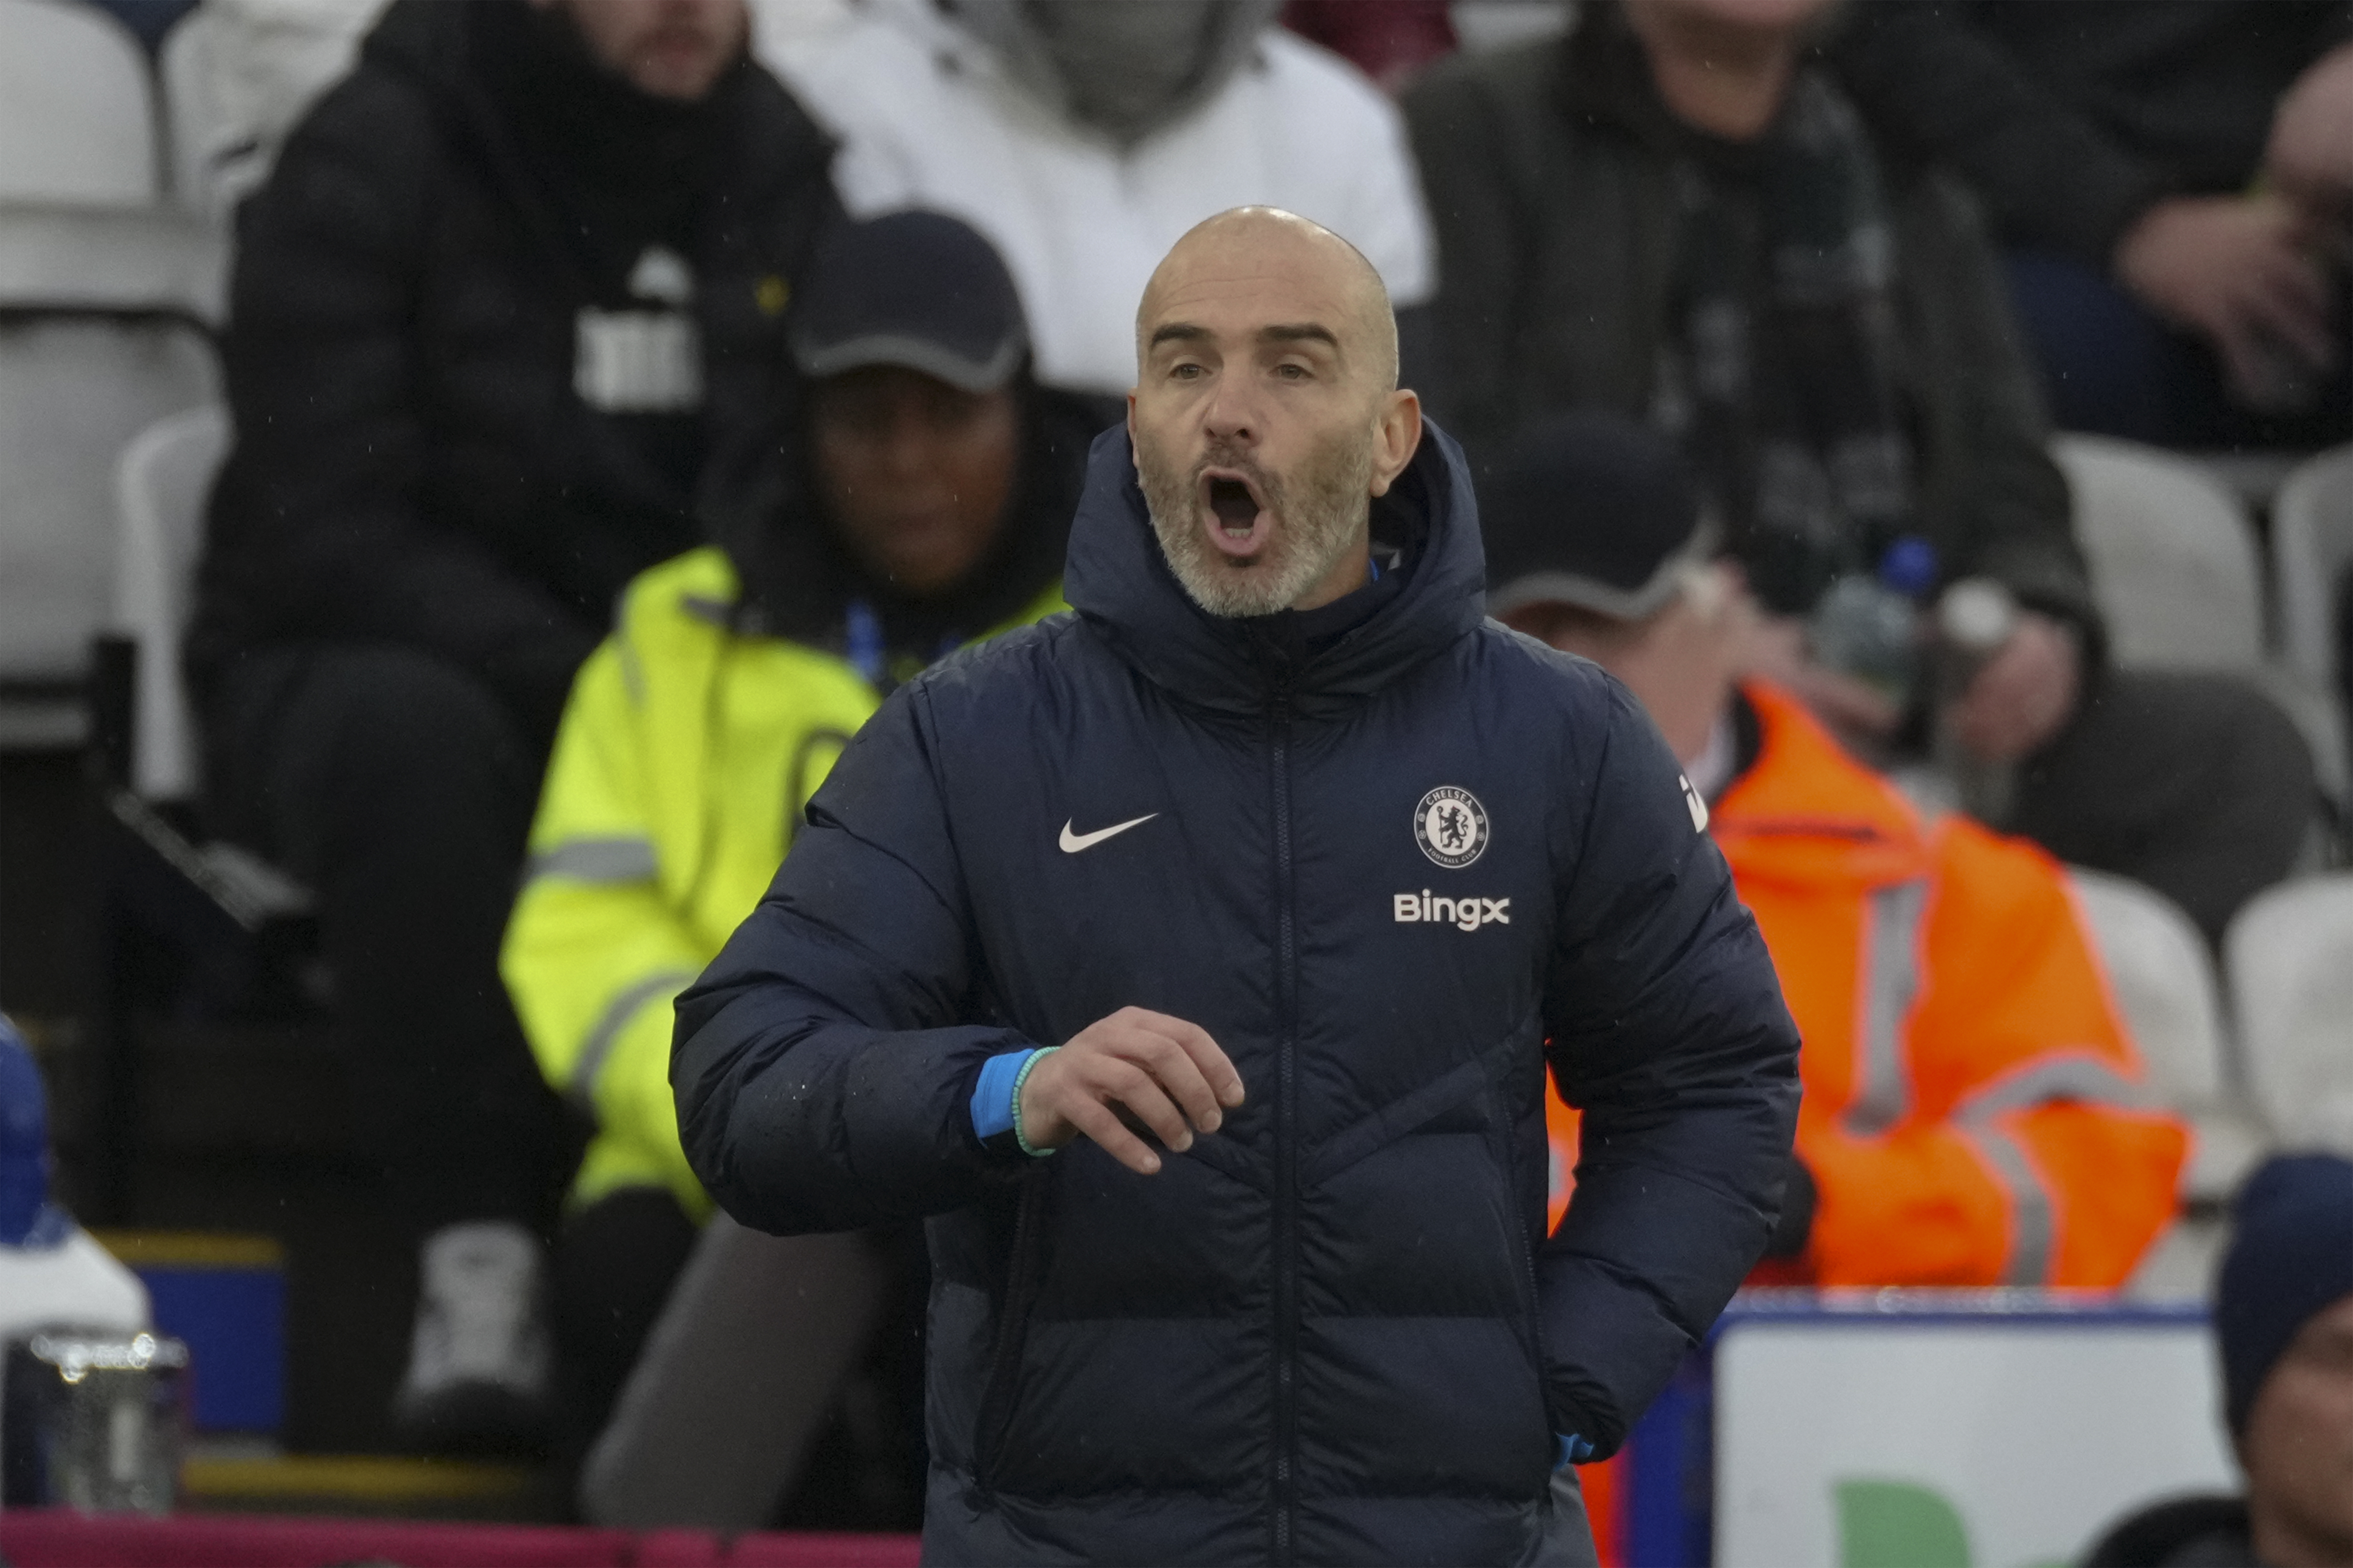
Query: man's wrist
x,y
993,1096
1021,1133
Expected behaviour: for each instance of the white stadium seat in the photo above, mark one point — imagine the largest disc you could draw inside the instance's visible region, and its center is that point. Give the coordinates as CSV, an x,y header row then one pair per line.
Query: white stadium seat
x,y
2177,569
2312,542
161,485
73,391
2173,557
2289,955
76,117
236,75
2159,971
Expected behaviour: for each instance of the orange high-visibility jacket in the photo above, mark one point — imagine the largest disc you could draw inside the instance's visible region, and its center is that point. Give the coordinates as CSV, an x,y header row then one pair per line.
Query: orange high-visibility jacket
x,y
1973,1113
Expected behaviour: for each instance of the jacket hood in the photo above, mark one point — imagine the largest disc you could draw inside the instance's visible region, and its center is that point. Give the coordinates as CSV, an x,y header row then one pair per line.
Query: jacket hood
x,y
1121,584
1132,70
1806,812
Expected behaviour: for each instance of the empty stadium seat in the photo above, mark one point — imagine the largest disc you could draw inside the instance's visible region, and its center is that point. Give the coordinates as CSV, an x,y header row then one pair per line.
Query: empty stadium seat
x,y
2289,956
2312,540
2175,568
160,484
77,120
2161,977
74,388
2173,557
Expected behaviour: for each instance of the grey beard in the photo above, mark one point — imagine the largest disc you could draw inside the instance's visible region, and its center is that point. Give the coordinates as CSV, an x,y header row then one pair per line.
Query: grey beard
x,y
1316,521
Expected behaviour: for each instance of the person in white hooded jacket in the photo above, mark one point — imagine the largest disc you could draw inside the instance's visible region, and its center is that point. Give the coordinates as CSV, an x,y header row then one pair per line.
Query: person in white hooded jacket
x,y
1083,139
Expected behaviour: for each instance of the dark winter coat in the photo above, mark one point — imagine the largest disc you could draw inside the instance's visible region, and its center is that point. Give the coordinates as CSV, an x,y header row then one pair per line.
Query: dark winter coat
x,y
1335,1331
2070,120
1555,212
413,465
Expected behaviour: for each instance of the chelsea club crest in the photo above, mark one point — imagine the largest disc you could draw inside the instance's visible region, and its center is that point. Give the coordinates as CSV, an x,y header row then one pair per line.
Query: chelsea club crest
x,y
1451,826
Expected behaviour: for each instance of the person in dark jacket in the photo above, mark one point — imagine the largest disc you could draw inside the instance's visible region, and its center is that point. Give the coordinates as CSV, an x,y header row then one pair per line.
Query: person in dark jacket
x,y
2166,214
1193,964
2284,1324
1670,215
508,316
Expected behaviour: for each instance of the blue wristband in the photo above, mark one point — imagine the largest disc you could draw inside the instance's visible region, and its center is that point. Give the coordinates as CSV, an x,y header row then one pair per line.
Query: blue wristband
x,y
992,1097
1573,1450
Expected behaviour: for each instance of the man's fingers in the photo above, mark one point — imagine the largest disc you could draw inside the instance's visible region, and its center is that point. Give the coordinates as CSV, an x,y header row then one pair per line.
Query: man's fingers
x,y
1135,1088
1215,1066
2293,308
1174,1070
1097,1121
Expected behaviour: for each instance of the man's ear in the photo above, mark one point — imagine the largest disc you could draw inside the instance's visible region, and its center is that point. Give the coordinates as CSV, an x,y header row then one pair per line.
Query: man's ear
x,y
1396,436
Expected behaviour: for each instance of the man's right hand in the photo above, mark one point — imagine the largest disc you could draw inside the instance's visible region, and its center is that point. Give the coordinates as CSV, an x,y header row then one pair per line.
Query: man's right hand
x,y
2239,271
1163,1072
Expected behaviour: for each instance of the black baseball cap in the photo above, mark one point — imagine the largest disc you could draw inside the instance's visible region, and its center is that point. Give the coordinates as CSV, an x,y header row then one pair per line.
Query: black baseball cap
x,y
917,289
1591,509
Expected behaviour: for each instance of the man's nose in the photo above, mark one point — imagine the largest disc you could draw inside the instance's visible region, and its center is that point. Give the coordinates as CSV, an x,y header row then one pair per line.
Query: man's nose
x,y
1232,414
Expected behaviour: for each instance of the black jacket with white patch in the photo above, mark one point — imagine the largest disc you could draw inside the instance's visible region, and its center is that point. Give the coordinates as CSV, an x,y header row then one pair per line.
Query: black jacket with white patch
x,y
1393,872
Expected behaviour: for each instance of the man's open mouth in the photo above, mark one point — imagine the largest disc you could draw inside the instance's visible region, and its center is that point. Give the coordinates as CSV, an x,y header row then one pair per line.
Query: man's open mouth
x,y
1234,513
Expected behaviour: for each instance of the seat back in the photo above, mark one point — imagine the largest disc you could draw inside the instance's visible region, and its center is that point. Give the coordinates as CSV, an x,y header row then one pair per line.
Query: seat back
x,y
236,75
2173,556
2160,976
2289,955
2312,542
74,388
162,482
76,117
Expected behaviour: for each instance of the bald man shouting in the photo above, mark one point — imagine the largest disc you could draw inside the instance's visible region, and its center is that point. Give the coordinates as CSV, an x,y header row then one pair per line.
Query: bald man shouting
x,y
1191,964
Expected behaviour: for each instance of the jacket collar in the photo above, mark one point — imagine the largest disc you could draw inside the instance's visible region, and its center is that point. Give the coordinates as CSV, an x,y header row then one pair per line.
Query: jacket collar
x,y
1807,810
1120,584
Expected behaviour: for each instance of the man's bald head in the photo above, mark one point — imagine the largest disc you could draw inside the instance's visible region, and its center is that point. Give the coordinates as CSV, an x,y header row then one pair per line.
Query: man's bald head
x,y
1266,415
1269,248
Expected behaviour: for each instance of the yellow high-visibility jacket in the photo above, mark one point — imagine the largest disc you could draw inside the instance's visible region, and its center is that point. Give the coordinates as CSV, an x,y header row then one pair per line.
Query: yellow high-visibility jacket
x,y
687,752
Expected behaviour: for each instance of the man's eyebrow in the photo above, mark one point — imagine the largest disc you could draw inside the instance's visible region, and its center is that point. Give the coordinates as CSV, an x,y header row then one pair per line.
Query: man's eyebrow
x,y
1299,332
1177,333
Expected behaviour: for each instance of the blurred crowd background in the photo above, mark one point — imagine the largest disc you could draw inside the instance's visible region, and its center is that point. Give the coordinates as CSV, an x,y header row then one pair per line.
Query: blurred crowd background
x,y
467,467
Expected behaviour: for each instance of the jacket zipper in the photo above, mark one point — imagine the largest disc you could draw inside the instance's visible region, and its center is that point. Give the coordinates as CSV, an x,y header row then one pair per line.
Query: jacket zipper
x,y
995,1415
1286,1159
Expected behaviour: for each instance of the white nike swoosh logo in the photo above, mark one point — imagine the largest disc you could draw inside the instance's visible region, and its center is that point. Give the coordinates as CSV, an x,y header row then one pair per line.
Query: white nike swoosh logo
x,y
1074,842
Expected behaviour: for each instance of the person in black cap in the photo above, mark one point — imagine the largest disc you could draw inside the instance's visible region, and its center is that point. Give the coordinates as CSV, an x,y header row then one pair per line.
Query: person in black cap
x,y
937,486
2283,1326
1972,1112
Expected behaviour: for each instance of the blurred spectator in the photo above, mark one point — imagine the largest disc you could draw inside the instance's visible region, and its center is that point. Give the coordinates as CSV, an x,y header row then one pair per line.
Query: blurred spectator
x,y
248,69
1389,40
946,481
2119,146
2284,1324
1973,1111
1671,216
1085,138
509,313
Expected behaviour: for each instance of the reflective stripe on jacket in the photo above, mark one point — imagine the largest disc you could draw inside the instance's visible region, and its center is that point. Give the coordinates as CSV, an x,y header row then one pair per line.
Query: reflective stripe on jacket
x,y
1973,1111
686,754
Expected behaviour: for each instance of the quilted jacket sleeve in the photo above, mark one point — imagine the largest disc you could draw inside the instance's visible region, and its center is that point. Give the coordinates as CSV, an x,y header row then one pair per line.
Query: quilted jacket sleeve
x,y
1668,1032
821,1074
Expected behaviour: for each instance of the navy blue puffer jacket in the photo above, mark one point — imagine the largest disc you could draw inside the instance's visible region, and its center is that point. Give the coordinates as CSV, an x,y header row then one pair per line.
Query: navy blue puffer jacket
x,y
1390,874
